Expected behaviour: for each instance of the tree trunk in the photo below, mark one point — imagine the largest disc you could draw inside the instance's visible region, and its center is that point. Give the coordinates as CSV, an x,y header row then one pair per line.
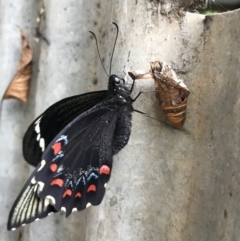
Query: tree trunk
x,y
166,184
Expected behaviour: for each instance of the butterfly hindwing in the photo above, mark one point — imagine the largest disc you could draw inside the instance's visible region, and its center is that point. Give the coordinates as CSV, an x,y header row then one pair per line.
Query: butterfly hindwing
x,y
74,168
76,158
46,126
28,207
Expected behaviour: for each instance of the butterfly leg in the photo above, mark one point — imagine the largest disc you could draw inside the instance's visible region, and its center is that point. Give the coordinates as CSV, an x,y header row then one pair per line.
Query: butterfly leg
x,y
137,96
133,78
144,92
145,114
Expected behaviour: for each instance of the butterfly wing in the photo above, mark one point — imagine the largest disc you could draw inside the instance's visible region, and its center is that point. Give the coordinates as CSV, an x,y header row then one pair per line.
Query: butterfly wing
x,y
28,207
74,168
46,126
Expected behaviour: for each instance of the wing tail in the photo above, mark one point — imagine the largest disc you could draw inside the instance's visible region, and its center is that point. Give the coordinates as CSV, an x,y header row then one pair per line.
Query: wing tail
x,y
28,207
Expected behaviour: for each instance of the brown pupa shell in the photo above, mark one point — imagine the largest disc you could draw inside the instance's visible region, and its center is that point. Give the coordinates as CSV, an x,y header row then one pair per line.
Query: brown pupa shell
x,y
171,92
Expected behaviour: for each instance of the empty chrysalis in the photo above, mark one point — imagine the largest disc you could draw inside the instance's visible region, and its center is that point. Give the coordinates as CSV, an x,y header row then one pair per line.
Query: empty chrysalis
x,y
171,92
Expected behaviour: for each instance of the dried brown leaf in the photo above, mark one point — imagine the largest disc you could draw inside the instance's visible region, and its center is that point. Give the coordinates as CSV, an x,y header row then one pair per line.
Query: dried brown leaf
x,y
19,86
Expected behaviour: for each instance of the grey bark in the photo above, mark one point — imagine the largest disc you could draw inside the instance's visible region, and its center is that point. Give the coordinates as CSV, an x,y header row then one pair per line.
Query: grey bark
x,y
166,184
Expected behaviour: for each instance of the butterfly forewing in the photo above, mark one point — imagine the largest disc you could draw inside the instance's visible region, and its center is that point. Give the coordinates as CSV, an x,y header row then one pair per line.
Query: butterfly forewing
x,y
45,127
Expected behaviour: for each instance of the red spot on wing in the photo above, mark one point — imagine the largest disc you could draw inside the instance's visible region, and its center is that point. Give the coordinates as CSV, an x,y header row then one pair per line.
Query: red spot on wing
x,y
92,188
57,147
53,167
104,170
68,192
59,182
78,194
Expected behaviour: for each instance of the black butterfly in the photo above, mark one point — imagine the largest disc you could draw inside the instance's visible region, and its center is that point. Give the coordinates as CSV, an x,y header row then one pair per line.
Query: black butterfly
x,y
72,144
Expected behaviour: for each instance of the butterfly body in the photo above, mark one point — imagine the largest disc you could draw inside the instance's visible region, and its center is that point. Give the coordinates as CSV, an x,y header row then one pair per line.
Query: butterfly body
x,y
72,144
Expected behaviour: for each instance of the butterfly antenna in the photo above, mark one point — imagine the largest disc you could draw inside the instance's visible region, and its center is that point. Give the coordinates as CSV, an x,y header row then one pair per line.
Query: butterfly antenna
x,y
110,68
99,52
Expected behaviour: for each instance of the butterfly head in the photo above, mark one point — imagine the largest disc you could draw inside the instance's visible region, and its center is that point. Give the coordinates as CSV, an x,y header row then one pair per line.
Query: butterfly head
x,y
118,88
116,83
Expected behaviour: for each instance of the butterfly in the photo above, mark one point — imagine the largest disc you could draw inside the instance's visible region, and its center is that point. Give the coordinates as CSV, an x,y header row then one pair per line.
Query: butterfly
x,y
72,145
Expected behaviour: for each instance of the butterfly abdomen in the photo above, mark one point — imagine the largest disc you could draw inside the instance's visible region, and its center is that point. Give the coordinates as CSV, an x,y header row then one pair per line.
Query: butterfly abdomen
x,y
122,131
